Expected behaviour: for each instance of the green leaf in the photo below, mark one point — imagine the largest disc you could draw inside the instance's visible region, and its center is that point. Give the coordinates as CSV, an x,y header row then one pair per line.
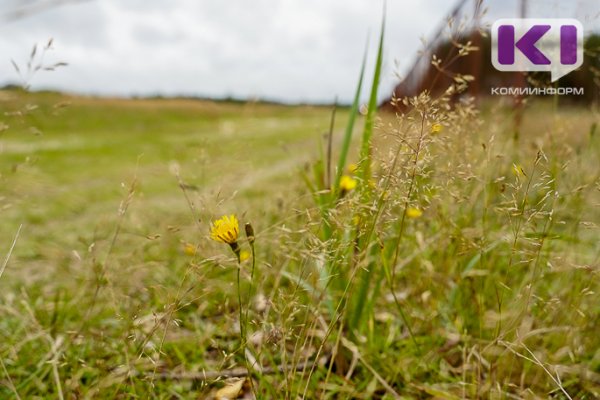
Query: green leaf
x,y
365,151
349,128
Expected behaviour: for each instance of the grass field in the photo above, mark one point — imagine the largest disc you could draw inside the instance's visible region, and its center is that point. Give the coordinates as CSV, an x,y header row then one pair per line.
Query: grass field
x,y
465,265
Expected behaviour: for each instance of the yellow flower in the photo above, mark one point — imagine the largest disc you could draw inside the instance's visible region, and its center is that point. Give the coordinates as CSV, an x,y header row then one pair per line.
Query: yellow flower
x,y
189,249
413,212
225,230
518,171
244,255
347,183
436,128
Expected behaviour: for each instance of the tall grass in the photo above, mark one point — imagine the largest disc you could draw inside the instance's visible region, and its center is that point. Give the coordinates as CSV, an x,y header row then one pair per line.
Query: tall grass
x,y
465,212
450,263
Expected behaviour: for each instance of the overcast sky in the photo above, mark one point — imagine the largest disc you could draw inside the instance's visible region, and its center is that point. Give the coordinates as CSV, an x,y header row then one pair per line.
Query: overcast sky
x,y
290,50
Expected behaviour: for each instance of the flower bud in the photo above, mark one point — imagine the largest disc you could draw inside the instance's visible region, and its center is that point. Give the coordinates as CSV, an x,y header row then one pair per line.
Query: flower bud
x,y
249,232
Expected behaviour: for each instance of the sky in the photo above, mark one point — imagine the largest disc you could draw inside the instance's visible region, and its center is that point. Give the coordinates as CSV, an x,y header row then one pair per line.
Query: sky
x,y
285,50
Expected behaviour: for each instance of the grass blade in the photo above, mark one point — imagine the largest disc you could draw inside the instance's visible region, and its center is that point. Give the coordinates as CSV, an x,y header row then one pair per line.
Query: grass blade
x,y
12,247
365,151
349,127
358,311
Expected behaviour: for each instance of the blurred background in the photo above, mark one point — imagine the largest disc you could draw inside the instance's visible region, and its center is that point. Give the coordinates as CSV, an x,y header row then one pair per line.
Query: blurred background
x,y
288,51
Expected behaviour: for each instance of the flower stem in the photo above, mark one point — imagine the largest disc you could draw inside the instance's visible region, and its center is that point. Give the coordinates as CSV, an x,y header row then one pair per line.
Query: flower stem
x,y
242,322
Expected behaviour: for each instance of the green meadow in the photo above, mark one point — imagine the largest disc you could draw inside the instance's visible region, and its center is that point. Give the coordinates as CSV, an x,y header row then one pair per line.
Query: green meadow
x,y
462,262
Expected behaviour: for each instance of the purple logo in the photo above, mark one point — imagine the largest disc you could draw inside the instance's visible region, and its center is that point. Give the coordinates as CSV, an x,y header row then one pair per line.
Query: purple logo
x,y
533,44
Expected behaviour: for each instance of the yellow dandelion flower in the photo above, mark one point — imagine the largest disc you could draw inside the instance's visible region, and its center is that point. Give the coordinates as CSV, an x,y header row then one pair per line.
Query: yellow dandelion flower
x,y
518,171
347,183
244,255
225,230
413,212
352,168
436,128
189,249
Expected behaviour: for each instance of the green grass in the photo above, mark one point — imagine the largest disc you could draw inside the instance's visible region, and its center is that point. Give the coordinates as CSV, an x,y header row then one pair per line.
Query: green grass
x,y
498,279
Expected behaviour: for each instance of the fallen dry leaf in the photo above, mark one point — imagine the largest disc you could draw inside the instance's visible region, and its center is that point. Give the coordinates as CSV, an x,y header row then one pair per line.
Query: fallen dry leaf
x,y
231,391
